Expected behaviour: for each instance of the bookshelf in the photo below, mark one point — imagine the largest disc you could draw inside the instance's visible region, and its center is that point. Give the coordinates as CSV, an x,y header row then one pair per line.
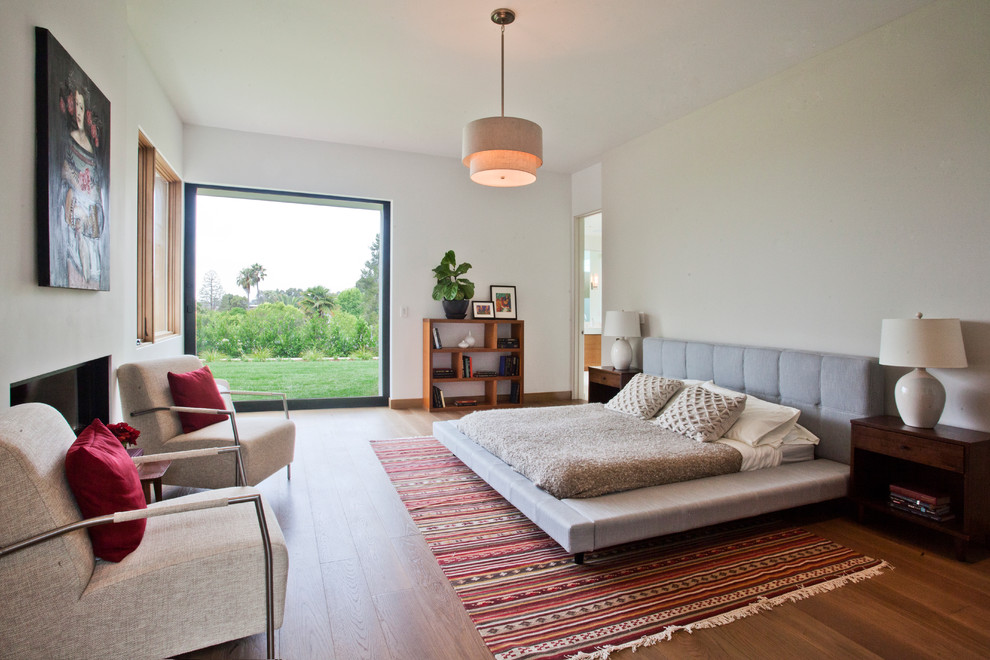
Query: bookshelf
x,y
488,374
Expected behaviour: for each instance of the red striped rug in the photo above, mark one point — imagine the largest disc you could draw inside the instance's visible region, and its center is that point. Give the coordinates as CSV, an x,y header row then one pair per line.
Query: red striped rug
x,y
529,599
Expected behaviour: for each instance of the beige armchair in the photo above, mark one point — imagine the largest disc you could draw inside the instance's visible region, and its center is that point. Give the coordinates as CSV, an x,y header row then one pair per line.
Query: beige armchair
x,y
185,587
267,444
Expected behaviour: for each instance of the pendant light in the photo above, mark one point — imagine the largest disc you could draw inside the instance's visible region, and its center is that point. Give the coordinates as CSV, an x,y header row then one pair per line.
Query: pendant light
x,y
503,151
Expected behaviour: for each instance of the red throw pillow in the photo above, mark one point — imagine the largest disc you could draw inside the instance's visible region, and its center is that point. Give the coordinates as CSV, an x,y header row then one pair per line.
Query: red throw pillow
x,y
196,389
104,480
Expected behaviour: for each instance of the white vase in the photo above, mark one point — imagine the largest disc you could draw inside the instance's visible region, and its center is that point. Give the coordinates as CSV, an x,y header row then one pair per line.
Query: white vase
x,y
469,340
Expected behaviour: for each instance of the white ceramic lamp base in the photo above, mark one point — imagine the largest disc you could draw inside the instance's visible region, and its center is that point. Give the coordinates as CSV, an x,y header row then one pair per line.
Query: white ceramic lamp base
x,y
920,399
621,354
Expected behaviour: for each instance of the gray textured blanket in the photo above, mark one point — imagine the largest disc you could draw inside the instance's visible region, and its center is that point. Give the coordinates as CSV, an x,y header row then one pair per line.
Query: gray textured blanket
x,y
588,450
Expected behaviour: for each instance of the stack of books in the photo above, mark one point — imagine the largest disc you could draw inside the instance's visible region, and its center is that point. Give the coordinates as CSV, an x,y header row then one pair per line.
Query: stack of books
x,y
514,392
921,502
466,365
507,342
508,365
480,373
438,399
443,372
466,402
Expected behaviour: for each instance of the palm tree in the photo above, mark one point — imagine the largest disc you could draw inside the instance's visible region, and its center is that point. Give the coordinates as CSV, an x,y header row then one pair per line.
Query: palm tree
x,y
245,282
317,301
257,273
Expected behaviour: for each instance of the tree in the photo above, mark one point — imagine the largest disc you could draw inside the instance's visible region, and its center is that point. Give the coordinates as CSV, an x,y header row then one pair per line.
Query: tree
x,y
211,292
232,301
257,273
317,301
244,281
368,283
351,301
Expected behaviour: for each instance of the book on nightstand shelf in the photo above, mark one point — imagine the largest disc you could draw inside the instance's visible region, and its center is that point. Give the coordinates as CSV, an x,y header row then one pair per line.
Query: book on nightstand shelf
x,y
920,502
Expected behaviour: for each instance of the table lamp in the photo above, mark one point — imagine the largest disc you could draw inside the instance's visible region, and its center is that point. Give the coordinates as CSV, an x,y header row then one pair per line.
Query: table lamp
x,y
921,344
621,325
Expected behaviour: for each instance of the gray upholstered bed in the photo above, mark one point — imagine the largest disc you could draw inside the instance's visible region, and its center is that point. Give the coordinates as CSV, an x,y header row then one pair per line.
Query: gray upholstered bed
x,y
829,390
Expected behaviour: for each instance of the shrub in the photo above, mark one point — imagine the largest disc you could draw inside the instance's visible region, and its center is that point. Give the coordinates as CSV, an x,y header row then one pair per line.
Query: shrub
x,y
260,355
312,355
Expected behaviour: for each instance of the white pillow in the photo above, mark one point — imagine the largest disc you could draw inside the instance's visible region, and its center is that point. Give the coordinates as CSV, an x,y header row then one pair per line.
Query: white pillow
x,y
644,395
701,414
800,436
761,422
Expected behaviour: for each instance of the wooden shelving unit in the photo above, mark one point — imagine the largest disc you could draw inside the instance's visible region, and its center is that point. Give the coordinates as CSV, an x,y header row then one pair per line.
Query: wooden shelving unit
x,y
498,391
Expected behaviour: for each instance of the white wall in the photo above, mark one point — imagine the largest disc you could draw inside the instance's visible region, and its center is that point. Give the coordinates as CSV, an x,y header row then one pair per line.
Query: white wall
x,y
517,236
802,211
43,329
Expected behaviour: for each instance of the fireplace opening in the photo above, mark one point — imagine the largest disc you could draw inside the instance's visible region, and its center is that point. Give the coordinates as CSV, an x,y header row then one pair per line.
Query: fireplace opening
x,y
80,392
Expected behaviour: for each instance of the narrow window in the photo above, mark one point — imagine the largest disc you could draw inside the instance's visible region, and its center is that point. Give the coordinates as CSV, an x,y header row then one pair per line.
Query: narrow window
x,y
159,245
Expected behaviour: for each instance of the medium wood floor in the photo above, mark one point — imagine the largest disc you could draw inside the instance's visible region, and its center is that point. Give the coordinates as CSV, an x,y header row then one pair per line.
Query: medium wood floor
x,y
363,584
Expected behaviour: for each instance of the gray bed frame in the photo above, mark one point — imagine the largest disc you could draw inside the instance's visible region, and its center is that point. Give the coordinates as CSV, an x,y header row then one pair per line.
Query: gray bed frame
x,y
829,390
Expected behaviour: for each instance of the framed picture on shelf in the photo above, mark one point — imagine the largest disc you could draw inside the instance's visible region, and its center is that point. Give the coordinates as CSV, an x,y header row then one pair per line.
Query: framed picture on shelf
x,y
483,309
504,300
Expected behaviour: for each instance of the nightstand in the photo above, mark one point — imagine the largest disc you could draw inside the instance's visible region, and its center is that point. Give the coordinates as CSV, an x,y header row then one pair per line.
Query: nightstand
x,y
605,382
944,459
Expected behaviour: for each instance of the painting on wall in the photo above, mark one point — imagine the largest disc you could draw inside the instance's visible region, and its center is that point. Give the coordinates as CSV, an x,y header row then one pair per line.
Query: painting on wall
x,y
73,172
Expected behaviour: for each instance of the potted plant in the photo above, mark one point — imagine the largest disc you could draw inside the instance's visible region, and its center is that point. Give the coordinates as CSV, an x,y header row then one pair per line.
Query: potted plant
x,y
454,291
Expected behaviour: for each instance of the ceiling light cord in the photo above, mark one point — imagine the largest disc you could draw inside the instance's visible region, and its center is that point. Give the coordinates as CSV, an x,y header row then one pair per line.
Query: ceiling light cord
x,y
503,70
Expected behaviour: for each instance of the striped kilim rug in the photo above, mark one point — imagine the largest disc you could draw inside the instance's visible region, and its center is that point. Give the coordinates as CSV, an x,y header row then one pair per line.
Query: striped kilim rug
x,y
529,599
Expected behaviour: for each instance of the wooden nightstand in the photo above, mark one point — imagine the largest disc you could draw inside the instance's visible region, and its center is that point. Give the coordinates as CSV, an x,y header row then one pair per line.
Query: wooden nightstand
x,y
945,459
605,382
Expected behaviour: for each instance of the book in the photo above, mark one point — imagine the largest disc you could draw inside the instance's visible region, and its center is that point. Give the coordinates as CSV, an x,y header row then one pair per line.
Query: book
x,y
937,517
436,338
920,494
466,402
915,505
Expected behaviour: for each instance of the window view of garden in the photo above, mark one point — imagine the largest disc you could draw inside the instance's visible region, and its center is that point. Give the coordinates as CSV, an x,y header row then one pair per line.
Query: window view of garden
x,y
289,295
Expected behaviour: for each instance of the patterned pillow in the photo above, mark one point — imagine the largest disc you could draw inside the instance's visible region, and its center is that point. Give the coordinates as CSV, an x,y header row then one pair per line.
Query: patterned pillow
x,y
701,414
644,395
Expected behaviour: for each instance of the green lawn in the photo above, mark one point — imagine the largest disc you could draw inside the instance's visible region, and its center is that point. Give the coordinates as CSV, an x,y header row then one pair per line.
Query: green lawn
x,y
322,379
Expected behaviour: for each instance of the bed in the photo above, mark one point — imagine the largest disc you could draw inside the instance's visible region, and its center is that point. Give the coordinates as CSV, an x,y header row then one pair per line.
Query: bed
x,y
829,390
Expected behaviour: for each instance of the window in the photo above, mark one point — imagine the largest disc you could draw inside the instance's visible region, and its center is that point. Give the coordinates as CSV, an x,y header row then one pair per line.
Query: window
x,y
159,245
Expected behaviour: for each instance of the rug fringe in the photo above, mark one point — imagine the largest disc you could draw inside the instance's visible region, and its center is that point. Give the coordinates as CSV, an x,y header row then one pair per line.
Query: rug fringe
x,y
761,605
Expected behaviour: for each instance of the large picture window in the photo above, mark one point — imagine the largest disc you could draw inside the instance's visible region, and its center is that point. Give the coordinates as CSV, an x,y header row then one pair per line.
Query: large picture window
x,y
289,291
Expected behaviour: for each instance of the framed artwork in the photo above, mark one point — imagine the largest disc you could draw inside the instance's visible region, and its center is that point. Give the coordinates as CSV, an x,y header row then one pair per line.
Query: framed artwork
x,y
483,309
73,172
504,299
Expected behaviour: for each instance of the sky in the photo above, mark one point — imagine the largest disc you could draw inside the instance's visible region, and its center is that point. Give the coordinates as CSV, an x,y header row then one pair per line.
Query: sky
x,y
300,245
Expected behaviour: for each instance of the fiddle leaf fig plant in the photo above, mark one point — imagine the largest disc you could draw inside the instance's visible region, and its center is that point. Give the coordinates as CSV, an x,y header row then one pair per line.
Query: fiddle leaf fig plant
x,y
450,284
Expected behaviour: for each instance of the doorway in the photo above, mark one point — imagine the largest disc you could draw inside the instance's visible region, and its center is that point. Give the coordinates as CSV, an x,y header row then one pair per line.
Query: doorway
x,y
589,284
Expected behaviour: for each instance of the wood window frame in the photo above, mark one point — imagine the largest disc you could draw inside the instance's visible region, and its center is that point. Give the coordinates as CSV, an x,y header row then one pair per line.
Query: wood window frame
x,y
150,163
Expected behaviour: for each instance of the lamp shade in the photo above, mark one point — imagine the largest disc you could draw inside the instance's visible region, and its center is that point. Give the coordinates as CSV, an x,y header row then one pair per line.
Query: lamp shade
x,y
503,151
622,324
926,343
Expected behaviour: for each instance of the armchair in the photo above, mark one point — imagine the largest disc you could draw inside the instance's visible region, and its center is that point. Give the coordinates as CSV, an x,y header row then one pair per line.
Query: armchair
x,y
267,444
185,587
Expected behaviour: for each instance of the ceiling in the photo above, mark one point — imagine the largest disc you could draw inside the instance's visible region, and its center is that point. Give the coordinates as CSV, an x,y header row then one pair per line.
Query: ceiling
x,y
408,74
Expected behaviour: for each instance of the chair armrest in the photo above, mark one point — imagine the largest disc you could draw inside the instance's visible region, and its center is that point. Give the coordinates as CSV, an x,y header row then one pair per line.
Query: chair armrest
x,y
185,409
168,509
179,455
277,395
198,453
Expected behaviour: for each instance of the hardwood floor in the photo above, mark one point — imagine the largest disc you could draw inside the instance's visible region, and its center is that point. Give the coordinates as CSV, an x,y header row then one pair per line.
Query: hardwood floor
x,y
363,584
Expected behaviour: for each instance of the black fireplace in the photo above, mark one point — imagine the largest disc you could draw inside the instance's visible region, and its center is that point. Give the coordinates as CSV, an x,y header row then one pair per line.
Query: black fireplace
x,y
80,392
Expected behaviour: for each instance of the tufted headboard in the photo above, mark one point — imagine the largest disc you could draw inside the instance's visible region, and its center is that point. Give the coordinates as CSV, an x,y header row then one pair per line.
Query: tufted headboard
x,y
829,390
